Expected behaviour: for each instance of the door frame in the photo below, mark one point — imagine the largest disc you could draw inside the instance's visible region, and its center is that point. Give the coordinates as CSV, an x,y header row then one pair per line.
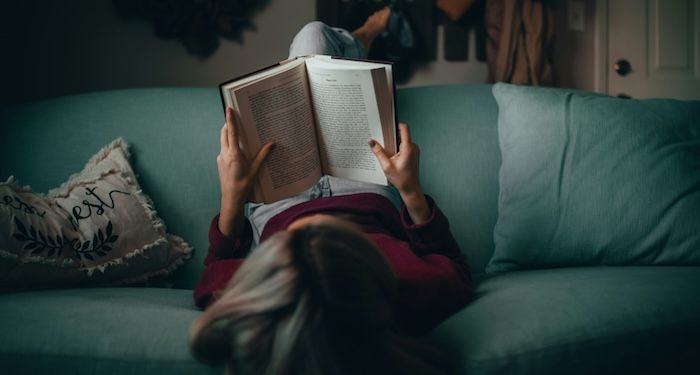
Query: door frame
x,y
600,60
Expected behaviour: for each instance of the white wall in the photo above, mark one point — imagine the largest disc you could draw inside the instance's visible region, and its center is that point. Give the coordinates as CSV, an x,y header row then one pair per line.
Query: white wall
x,y
63,47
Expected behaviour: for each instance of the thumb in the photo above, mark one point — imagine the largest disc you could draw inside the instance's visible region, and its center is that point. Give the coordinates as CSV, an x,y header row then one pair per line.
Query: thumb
x,y
260,157
378,151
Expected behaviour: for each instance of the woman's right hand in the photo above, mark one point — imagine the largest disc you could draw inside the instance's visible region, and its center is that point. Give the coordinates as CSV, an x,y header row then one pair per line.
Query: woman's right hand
x,y
236,174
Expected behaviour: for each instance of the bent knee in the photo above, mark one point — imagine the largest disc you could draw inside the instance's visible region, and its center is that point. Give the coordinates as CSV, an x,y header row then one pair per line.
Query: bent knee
x,y
314,38
313,28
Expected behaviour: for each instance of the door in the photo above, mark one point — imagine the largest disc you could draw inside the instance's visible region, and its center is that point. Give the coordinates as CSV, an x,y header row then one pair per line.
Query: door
x,y
653,48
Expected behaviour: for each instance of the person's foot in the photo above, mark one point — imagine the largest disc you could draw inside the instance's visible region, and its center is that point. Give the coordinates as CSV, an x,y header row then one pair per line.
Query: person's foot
x,y
375,25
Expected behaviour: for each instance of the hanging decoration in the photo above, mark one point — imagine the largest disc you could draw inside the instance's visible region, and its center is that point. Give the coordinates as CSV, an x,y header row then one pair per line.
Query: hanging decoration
x,y
197,24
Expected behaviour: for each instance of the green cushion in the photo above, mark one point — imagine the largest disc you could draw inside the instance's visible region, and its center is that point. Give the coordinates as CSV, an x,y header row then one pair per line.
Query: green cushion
x,y
588,320
98,331
589,179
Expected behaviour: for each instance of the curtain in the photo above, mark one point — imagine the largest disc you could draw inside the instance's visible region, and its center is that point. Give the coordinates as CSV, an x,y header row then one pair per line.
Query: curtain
x,y
519,44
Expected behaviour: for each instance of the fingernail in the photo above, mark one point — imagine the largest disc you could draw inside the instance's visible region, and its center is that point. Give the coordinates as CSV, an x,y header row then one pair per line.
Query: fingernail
x,y
372,143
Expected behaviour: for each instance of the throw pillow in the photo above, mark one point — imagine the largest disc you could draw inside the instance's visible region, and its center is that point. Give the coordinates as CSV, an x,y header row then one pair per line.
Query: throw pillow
x,y
588,179
98,228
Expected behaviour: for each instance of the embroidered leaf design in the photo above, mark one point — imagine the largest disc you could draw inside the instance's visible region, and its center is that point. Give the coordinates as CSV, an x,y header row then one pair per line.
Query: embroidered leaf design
x,y
20,227
100,245
36,241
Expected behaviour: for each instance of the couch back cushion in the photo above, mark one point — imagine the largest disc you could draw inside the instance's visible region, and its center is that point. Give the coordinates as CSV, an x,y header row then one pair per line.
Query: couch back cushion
x,y
589,179
173,135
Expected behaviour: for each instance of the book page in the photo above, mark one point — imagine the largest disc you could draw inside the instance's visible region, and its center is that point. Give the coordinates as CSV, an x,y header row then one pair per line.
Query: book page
x,y
278,109
346,63
383,87
227,88
347,116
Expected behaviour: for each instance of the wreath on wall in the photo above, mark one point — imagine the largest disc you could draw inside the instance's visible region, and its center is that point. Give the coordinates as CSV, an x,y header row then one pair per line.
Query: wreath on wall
x,y
197,24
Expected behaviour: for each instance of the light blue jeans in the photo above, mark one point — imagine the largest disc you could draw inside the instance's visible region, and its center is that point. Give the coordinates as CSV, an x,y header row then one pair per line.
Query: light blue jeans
x,y
327,186
317,38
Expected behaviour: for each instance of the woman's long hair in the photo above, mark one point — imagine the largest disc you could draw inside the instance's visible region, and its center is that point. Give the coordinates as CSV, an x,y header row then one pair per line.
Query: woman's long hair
x,y
316,300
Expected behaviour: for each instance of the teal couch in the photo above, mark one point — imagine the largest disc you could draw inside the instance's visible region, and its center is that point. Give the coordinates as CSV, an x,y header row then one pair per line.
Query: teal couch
x,y
556,321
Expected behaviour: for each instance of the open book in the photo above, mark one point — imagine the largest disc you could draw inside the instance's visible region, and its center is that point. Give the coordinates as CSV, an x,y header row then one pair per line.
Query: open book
x,y
320,111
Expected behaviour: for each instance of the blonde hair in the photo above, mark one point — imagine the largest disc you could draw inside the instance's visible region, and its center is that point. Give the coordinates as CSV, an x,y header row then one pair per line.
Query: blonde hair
x,y
317,300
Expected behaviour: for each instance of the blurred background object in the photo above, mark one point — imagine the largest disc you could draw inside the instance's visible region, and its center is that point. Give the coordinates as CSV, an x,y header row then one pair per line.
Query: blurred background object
x,y
519,47
197,24
53,48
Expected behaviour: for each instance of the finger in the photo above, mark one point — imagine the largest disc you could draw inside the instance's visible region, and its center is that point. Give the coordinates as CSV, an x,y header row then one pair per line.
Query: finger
x,y
232,131
224,138
378,151
405,133
260,157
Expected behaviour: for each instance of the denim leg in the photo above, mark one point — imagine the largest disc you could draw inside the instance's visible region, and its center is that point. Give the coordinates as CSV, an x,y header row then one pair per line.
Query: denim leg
x,y
341,186
327,186
317,38
259,213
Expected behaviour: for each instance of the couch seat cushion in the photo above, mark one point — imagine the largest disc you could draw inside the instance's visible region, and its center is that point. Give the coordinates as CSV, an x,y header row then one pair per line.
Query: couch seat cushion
x,y
98,331
579,320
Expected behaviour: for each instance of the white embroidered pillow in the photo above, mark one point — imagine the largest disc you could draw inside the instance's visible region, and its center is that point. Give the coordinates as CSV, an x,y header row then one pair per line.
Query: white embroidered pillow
x,y
98,228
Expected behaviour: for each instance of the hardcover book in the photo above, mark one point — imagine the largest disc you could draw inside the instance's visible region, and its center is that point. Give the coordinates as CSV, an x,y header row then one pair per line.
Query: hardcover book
x,y
320,111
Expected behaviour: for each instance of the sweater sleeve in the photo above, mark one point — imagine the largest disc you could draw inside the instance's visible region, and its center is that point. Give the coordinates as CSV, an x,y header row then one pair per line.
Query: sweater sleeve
x,y
435,281
434,237
225,256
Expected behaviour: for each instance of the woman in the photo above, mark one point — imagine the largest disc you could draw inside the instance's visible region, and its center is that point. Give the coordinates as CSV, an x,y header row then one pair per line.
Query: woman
x,y
341,277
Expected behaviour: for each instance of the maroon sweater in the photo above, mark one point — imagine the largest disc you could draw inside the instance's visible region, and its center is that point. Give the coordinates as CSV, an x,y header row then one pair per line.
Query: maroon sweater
x,y
433,276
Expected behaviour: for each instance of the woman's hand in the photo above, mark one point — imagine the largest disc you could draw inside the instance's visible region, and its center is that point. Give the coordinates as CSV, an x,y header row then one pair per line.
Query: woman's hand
x,y
236,175
402,171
